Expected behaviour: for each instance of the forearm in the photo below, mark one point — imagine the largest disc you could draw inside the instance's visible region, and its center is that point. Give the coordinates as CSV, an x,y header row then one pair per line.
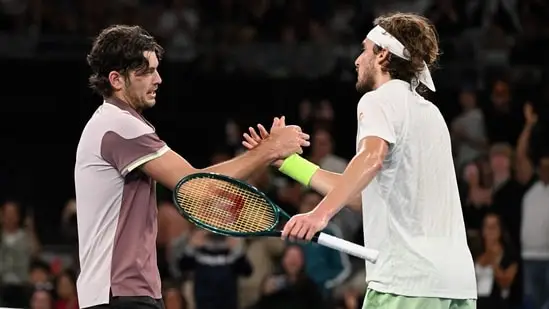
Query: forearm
x,y
244,165
324,181
360,172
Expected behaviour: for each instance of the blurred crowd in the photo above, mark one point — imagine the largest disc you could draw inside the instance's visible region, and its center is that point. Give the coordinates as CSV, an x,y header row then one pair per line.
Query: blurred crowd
x,y
497,112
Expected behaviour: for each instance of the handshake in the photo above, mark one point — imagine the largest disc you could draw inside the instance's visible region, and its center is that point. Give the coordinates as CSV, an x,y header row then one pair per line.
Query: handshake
x,y
281,142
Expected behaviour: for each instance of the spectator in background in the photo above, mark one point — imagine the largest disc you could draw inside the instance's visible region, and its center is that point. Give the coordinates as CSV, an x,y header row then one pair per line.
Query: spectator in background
x,y
468,130
503,118
322,152
478,197
292,288
66,291
534,226
40,274
15,254
328,268
216,262
497,265
41,299
535,242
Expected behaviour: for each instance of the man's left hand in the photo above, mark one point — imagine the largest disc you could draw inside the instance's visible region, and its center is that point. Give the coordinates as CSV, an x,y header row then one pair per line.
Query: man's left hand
x,y
304,226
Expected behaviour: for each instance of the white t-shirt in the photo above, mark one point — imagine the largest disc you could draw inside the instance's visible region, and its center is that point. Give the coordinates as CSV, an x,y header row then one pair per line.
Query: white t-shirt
x,y
411,209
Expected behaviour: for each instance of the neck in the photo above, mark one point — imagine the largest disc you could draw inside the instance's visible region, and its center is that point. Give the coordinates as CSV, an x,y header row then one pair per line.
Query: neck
x,y
120,96
381,79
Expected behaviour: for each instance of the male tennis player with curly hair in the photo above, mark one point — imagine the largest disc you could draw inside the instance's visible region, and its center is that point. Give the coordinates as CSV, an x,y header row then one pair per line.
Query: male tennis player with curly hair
x,y
402,174
118,160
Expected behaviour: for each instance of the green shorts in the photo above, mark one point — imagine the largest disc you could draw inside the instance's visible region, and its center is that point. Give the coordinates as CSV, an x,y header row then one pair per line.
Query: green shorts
x,y
378,300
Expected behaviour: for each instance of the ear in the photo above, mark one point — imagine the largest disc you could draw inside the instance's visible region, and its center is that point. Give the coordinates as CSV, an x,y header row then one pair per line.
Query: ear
x,y
117,80
382,56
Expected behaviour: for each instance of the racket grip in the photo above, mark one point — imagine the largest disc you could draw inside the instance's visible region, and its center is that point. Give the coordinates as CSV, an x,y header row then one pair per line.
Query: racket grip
x,y
348,247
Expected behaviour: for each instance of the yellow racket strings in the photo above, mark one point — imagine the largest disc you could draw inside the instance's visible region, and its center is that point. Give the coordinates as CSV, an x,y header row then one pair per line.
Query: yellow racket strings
x,y
225,206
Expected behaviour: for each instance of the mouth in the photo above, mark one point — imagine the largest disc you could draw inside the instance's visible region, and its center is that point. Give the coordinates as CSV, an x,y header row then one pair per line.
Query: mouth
x,y
152,93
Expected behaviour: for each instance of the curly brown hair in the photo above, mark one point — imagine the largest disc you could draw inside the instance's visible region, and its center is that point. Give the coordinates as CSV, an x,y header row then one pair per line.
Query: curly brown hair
x,y
119,48
419,37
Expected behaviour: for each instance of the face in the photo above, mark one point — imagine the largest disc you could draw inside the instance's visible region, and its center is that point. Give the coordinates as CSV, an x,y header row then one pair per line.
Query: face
x,y
467,99
292,262
366,69
38,275
65,287
491,230
322,143
500,163
10,216
139,88
41,300
309,202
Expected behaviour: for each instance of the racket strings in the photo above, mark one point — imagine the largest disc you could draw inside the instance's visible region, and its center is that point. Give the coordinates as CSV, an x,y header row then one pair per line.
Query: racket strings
x,y
225,206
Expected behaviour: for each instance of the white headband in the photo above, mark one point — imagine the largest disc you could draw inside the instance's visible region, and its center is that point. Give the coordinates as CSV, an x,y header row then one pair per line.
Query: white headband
x,y
386,41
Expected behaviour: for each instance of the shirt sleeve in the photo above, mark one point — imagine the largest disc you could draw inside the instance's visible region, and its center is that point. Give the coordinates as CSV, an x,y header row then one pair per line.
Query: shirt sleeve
x,y
131,144
376,118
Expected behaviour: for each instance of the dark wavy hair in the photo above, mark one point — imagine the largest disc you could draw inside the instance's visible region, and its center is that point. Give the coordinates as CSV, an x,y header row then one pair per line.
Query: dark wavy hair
x,y
119,48
419,37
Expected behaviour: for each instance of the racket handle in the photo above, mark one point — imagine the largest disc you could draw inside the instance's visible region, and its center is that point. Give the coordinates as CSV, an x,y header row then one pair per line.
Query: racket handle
x,y
346,246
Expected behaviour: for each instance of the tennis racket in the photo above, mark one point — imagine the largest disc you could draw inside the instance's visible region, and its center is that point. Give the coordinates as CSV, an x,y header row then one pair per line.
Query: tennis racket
x,y
230,207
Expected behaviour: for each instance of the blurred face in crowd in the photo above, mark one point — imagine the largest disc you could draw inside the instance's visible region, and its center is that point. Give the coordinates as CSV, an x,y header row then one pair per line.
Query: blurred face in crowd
x,y
366,68
321,144
65,287
38,276
491,229
467,100
10,216
309,201
139,88
41,300
292,262
501,95
500,163
544,169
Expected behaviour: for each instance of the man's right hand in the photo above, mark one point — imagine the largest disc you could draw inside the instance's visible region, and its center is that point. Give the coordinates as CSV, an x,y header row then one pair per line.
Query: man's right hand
x,y
283,140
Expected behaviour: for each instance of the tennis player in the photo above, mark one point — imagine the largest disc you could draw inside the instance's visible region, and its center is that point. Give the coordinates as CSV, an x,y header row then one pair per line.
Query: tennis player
x,y
404,172
118,160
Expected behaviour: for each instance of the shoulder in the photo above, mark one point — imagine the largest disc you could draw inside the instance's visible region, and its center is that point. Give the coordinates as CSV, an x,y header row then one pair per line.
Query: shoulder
x,y
123,123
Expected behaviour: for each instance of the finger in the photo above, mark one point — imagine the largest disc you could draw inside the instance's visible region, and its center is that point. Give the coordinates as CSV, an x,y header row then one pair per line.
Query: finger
x,y
310,234
294,233
302,232
254,134
247,145
304,143
305,136
262,131
288,228
296,128
250,140
299,151
282,122
275,123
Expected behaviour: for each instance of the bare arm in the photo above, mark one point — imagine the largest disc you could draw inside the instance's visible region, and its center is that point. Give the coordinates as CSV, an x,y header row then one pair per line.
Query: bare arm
x,y
169,168
323,182
505,277
524,166
359,173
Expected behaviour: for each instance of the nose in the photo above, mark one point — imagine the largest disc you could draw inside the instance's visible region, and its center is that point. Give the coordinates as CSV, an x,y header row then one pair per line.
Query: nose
x,y
157,78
